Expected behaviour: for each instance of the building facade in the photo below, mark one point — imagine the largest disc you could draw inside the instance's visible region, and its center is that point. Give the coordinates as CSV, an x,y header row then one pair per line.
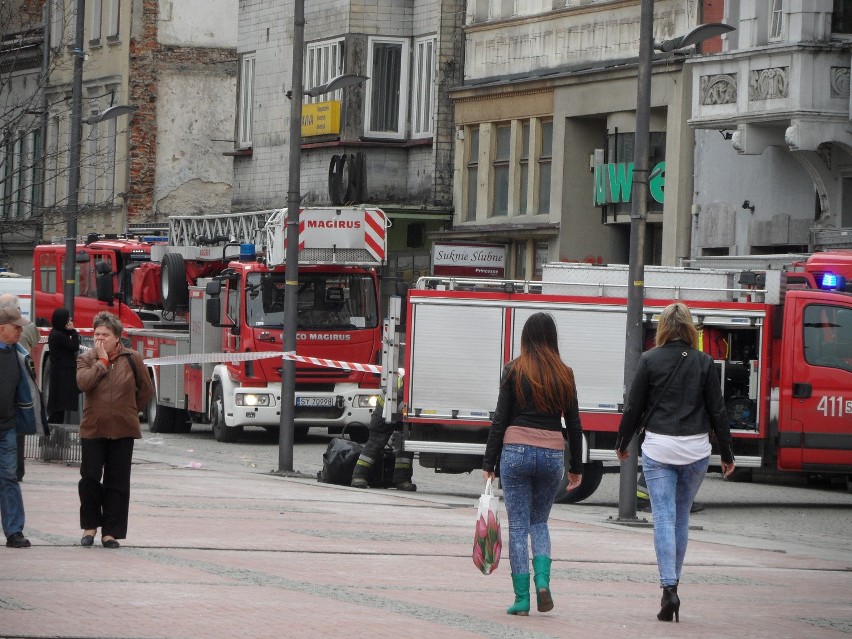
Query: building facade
x,y
545,123
175,63
773,154
21,131
387,142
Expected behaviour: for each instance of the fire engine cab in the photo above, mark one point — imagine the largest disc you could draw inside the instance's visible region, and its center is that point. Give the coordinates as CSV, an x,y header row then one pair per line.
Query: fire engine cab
x,y
213,296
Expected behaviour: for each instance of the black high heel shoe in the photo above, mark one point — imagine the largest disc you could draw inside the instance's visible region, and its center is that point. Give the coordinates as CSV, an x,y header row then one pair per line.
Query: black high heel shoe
x,y
669,605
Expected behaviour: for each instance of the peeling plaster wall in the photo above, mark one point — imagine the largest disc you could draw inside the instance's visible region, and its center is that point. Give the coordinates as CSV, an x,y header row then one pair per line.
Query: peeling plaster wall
x,y
198,23
192,174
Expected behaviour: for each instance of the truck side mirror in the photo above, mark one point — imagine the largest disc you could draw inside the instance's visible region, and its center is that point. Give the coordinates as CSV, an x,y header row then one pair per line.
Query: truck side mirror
x,y
213,288
103,282
213,310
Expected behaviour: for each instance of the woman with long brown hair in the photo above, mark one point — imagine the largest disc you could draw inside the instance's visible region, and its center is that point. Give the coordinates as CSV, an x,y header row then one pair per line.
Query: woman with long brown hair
x,y
537,391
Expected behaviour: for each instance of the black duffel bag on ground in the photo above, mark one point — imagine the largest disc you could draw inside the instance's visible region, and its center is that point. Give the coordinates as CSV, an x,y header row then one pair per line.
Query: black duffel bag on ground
x,y
339,459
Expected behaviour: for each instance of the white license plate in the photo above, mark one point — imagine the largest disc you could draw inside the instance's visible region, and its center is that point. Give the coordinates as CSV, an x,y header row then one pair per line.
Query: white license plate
x,y
315,401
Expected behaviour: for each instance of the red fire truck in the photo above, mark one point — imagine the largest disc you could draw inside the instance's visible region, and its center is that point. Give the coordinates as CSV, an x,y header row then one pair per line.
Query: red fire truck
x,y
164,297
781,339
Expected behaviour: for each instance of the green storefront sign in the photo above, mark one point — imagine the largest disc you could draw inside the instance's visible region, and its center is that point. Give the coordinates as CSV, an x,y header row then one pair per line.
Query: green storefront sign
x,y
614,183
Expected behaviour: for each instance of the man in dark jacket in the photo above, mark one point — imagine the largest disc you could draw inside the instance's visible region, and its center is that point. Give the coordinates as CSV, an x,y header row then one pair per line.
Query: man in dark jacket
x,y
21,411
29,338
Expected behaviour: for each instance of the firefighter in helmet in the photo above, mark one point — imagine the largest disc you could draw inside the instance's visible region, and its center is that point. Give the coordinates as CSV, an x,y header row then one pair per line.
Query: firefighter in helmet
x,y
382,432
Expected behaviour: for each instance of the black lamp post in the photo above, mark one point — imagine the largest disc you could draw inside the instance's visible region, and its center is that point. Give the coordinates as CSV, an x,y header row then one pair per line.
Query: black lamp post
x,y
291,256
638,220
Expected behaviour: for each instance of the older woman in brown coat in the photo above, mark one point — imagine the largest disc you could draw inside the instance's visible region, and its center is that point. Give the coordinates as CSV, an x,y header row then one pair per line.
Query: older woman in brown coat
x,y
116,386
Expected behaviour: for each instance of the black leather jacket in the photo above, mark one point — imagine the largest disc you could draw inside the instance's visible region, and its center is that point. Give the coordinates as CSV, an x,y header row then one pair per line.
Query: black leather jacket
x,y
692,403
511,411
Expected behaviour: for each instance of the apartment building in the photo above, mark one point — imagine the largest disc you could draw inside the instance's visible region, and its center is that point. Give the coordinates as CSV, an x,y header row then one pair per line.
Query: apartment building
x,y
174,62
388,142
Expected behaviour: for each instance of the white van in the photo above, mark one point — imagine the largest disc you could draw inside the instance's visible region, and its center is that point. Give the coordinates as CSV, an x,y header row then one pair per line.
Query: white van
x,y
20,286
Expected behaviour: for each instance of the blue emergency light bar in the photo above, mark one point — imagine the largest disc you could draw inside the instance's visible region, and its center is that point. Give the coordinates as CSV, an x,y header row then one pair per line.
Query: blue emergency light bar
x,y
829,280
832,282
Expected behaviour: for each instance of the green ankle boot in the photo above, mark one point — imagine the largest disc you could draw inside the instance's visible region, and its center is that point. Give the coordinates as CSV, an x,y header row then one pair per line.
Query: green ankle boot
x,y
543,598
521,584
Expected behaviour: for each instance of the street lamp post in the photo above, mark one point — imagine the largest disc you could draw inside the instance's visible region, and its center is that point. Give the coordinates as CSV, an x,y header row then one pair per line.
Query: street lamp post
x,y
75,139
634,337
291,254
76,124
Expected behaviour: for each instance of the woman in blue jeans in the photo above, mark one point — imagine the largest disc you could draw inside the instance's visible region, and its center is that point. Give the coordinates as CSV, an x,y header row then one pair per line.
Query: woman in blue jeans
x,y
536,391
676,396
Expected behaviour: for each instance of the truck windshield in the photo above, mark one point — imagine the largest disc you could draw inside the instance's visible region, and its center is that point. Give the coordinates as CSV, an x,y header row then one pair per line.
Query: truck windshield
x,y
331,301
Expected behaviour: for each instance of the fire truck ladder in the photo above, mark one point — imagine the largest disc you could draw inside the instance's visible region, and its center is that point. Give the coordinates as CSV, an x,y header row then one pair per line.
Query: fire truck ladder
x,y
193,235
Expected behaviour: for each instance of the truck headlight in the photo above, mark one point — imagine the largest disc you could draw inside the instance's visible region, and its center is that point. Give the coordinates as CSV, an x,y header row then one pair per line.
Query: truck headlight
x,y
251,399
366,401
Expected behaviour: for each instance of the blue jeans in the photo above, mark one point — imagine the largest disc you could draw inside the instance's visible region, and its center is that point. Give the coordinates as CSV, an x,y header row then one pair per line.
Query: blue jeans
x,y
672,489
530,477
11,499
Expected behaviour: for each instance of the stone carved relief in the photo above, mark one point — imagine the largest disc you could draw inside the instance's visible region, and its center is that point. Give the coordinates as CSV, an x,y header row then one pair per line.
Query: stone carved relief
x,y
768,84
719,89
839,81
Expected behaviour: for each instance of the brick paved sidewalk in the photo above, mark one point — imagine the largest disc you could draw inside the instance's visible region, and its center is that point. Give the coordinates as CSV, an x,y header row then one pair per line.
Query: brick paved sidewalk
x,y
219,554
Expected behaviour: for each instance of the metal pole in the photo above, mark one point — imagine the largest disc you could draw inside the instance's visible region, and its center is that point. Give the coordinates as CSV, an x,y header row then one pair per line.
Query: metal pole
x,y
638,218
76,125
291,257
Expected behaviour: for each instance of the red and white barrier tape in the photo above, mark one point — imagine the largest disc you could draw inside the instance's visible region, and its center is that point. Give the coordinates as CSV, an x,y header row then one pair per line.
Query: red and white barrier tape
x,y
215,358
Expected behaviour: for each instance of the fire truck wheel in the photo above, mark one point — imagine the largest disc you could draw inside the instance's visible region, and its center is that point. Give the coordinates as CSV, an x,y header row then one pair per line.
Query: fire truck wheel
x,y
592,475
221,432
173,286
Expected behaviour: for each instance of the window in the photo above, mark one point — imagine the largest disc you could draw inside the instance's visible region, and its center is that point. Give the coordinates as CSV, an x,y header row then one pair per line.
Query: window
x,y
524,168
17,177
775,19
828,336
37,183
52,160
423,86
6,160
387,61
324,62
109,161
57,23
503,142
472,172
91,162
47,271
545,161
114,23
326,301
841,17
246,111
97,20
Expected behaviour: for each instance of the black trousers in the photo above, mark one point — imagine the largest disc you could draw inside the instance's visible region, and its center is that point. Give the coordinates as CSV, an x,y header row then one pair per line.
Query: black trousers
x,y
105,485
380,434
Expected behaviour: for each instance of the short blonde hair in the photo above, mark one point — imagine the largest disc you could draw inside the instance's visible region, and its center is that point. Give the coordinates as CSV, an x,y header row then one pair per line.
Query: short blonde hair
x,y
105,318
676,324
